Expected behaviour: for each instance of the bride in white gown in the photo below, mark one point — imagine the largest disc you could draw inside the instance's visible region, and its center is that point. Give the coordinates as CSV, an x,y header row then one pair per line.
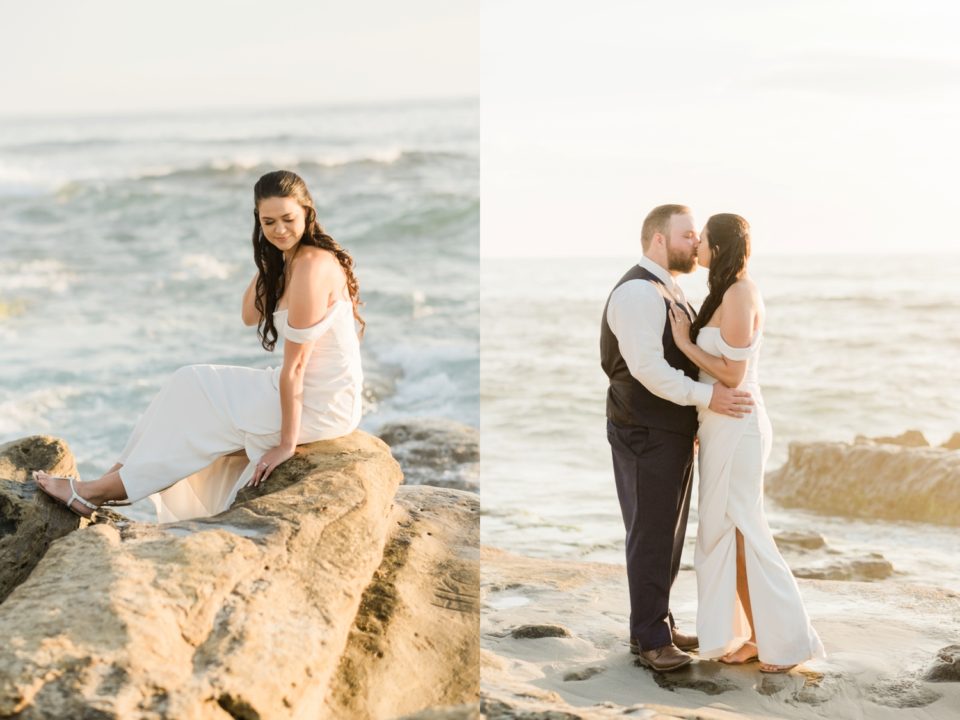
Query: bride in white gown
x,y
749,605
214,428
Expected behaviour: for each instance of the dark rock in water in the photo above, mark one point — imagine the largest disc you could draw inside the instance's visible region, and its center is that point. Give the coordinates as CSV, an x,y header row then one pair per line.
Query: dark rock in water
x,y
953,443
706,677
584,674
530,632
800,540
870,480
443,453
873,567
946,668
495,709
910,438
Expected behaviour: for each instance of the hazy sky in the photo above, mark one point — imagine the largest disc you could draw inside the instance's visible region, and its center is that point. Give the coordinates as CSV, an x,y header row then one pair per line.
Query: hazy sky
x,y
830,125
102,56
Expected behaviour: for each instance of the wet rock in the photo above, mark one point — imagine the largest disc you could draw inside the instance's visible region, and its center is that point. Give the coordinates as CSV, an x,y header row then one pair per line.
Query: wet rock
x,y
946,667
584,674
872,567
181,620
530,632
440,452
808,540
870,480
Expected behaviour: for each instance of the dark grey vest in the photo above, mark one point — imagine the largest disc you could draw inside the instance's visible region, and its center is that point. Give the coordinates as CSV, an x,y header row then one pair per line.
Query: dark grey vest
x,y
628,401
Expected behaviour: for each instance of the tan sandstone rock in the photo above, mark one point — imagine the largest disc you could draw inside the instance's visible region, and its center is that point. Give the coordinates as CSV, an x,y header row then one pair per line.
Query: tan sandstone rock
x,y
870,480
242,615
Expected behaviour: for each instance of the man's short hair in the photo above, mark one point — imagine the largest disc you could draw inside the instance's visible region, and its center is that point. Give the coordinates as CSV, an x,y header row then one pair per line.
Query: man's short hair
x,y
658,221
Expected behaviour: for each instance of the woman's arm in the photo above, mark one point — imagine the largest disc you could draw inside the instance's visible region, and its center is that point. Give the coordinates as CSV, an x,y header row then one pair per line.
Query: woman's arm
x,y
309,292
248,312
736,329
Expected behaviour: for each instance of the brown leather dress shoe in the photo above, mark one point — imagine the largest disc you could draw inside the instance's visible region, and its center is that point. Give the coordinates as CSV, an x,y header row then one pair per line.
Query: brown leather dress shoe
x,y
664,659
685,641
681,640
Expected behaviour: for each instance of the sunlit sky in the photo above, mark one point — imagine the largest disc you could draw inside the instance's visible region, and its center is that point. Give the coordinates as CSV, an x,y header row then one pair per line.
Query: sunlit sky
x,y
104,56
830,125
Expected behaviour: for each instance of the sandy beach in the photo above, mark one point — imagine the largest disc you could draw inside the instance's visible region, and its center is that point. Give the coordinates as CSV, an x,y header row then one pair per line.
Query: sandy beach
x,y
553,637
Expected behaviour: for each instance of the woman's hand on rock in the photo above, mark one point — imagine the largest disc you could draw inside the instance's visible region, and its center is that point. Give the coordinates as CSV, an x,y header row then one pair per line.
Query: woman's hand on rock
x,y
268,461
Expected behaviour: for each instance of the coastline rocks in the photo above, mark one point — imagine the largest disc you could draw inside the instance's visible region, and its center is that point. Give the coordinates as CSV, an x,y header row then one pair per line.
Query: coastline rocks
x,y
909,438
439,452
946,668
809,540
248,614
29,520
873,567
870,480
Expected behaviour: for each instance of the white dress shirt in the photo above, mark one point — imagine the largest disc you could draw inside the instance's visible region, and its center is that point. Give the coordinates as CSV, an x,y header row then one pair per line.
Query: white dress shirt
x,y
637,316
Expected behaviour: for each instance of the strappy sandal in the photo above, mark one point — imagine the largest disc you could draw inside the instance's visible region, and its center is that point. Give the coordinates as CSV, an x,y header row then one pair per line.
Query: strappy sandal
x,y
753,658
775,669
73,495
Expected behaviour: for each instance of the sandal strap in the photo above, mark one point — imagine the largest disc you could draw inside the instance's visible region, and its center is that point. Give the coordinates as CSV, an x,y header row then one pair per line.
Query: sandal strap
x,y
75,496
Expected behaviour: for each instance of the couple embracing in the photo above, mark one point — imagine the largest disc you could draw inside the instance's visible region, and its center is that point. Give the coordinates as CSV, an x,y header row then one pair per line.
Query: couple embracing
x,y
678,376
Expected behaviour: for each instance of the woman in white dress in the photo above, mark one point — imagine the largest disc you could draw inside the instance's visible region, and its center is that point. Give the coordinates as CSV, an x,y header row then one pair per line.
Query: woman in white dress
x,y
183,453
749,605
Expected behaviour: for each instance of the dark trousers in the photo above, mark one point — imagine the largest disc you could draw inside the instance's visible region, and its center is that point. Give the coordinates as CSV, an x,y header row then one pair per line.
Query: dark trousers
x,y
654,471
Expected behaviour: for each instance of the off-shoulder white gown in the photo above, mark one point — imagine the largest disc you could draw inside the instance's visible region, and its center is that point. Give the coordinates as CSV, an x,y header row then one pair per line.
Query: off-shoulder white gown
x,y
733,453
183,451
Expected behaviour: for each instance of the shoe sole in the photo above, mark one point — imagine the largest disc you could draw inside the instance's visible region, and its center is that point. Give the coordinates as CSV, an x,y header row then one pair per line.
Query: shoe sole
x,y
646,663
636,651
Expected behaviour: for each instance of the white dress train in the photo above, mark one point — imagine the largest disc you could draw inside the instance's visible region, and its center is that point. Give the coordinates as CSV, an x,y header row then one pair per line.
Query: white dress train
x,y
183,451
733,453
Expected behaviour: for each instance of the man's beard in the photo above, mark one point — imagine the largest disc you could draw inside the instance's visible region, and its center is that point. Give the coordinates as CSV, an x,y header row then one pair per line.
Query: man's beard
x,y
680,262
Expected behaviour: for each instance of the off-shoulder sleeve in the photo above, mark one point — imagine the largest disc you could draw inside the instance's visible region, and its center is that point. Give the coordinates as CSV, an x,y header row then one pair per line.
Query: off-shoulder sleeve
x,y
736,353
309,334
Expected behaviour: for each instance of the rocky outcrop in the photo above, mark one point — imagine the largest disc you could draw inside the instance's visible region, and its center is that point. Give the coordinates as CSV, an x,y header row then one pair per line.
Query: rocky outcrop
x,y
870,480
946,667
439,452
872,567
314,586
909,438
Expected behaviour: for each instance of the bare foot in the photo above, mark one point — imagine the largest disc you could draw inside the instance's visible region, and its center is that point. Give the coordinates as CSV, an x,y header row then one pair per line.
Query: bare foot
x,y
744,654
59,489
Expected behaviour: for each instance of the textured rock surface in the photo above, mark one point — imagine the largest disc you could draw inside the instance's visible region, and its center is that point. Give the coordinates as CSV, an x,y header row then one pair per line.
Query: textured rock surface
x,y
421,611
244,615
30,521
946,668
436,452
870,480
872,567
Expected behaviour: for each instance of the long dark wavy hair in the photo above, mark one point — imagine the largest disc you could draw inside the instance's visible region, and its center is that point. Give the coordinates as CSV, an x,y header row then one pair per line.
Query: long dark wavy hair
x,y
271,280
729,239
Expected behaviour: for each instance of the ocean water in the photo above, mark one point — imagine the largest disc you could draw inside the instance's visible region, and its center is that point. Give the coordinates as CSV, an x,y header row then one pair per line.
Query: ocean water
x,y
853,345
125,247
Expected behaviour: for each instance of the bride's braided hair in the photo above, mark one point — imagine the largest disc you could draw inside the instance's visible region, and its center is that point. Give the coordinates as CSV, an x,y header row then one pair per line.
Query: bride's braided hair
x,y
271,280
729,239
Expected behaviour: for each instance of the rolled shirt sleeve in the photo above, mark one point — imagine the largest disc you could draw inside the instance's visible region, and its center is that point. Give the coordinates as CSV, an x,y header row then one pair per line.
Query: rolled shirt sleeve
x,y
637,316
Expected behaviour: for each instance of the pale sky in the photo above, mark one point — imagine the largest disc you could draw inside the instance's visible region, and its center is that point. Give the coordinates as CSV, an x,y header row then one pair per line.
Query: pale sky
x,y
831,125
104,56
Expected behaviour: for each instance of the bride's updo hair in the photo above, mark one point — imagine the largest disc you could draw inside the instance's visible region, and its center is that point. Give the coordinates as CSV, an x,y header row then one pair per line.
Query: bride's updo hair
x,y
271,280
729,239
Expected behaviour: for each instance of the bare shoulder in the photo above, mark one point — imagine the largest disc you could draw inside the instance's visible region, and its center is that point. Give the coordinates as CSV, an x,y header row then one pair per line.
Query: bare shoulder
x,y
743,292
311,259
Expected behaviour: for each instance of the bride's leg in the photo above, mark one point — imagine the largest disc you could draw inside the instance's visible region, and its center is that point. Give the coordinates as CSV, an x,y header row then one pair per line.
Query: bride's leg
x,y
743,591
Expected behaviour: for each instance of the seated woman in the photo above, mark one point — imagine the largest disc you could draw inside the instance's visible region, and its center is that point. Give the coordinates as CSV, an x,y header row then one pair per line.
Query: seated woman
x,y
183,452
